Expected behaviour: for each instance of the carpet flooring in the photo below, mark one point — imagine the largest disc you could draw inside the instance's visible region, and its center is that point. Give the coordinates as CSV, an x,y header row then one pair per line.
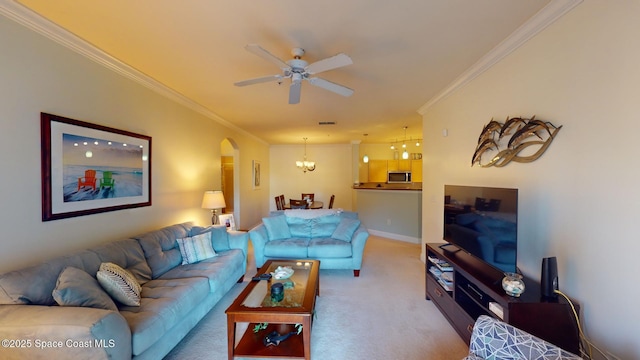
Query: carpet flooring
x,y
382,314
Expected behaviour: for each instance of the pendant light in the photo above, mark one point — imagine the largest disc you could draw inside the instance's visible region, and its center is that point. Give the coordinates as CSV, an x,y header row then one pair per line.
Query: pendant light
x,y
405,153
304,164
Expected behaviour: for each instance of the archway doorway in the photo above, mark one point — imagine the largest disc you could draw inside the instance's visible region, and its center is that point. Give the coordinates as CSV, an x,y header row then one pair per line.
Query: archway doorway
x,y
229,155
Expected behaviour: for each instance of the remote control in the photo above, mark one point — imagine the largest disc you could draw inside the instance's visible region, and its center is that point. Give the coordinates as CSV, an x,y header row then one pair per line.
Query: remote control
x,y
261,277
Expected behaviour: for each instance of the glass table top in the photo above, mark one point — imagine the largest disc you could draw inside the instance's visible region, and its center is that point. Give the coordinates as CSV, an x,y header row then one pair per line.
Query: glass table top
x,y
295,286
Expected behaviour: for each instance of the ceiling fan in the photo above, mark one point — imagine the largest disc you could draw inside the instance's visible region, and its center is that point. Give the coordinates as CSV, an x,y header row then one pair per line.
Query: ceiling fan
x,y
297,70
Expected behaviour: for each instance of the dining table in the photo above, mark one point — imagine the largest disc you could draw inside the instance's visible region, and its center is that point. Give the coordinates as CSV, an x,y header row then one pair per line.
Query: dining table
x,y
313,205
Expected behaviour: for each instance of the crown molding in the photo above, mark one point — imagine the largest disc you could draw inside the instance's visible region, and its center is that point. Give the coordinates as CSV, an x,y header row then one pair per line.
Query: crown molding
x,y
30,19
538,22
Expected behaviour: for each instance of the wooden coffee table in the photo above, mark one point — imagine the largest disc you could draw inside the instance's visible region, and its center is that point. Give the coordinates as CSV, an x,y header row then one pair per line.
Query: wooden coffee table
x,y
254,306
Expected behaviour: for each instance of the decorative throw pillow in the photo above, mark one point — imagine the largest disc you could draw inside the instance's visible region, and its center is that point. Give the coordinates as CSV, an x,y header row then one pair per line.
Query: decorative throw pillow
x,y
77,288
345,229
119,283
196,248
219,237
277,227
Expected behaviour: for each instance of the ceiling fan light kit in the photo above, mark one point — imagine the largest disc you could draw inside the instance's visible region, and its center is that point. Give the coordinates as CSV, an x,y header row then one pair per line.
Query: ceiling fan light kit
x,y
298,70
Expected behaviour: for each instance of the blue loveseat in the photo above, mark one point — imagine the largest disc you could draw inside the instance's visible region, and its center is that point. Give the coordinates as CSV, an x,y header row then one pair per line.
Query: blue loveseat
x,y
336,238
173,299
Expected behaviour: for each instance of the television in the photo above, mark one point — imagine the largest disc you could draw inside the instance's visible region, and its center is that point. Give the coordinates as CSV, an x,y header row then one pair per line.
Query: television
x,y
483,221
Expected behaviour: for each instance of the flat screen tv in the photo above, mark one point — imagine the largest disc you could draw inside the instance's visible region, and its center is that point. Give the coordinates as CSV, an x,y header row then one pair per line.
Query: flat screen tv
x,y
483,221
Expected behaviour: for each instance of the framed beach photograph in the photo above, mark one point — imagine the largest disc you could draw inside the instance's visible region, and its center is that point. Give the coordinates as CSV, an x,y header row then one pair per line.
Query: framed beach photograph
x,y
228,221
256,174
89,168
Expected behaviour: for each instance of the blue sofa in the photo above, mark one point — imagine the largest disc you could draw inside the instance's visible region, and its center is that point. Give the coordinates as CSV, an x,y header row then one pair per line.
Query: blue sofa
x,y
173,299
336,238
494,339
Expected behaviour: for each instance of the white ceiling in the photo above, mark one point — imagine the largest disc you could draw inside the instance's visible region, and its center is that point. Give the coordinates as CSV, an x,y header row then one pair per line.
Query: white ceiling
x,y
404,53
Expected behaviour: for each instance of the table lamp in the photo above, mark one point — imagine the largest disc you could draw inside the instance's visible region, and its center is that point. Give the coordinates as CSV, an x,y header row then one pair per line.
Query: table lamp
x,y
213,200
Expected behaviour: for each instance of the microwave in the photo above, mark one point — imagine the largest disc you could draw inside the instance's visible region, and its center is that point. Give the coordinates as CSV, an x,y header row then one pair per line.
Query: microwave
x,y
398,177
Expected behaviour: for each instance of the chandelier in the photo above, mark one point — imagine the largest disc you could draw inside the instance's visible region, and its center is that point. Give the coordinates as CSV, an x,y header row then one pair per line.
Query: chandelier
x,y
304,164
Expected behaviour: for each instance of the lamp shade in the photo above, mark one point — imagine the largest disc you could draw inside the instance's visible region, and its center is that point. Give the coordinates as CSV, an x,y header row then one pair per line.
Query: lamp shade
x,y
213,200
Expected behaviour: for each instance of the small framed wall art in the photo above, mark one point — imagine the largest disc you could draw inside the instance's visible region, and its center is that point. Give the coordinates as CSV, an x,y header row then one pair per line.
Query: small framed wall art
x,y
256,174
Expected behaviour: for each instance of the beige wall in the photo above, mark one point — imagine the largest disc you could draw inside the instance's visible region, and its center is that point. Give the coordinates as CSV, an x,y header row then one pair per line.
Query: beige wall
x,y
39,75
579,201
333,173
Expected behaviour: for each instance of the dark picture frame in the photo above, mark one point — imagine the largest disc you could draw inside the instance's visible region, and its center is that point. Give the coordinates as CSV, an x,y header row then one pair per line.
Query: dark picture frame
x,y
89,168
256,174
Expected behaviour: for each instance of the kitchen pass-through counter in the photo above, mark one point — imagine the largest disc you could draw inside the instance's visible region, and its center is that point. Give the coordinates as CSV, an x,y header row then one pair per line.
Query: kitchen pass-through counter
x,y
393,211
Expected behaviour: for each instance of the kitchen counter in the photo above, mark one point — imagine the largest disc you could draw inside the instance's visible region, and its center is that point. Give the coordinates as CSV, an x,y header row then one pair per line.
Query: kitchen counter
x,y
384,186
393,211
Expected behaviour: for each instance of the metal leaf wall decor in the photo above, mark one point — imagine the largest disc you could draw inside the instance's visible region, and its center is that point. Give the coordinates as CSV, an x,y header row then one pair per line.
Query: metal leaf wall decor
x,y
503,142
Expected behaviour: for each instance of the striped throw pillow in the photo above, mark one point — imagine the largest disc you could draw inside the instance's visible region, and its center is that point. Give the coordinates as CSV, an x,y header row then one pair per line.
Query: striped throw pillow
x,y
196,248
119,283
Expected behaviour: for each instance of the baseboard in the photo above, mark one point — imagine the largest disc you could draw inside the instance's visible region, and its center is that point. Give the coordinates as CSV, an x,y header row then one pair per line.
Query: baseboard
x,y
391,236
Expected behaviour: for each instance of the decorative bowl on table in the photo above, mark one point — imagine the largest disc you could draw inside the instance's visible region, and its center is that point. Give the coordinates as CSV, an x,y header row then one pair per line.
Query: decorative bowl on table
x,y
282,272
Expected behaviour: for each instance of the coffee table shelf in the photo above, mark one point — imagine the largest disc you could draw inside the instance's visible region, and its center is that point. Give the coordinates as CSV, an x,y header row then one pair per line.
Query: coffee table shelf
x,y
251,344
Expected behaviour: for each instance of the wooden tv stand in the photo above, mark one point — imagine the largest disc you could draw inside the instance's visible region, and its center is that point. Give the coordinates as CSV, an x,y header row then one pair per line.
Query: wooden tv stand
x,y
476,290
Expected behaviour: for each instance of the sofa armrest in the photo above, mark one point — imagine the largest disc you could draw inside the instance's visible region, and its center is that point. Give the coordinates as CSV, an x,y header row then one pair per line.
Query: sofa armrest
x,y
239,240
259,239
63,332
358,241
489,333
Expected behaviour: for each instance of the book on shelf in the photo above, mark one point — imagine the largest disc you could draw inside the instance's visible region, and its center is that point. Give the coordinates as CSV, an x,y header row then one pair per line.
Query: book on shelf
x,y
441,264
447,287
447,276
435,271
444,266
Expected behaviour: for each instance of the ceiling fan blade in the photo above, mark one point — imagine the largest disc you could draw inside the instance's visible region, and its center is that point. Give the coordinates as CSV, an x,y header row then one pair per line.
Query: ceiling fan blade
x,y
294,92
329,64
256,49
259,80
328,85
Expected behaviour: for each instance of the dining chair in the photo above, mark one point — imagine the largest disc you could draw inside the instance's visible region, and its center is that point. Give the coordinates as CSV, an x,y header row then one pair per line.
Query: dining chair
x,y
333,197
298,204
304,196
279,203
494,205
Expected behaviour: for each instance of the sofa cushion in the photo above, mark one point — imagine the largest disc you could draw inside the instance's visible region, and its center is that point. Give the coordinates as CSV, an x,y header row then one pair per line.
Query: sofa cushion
x,y
324,226
216,269
164,303
120,284
160,247
329,248
77,288
277,227
345,229
125,253
293,248
219,237
299,227
196,248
